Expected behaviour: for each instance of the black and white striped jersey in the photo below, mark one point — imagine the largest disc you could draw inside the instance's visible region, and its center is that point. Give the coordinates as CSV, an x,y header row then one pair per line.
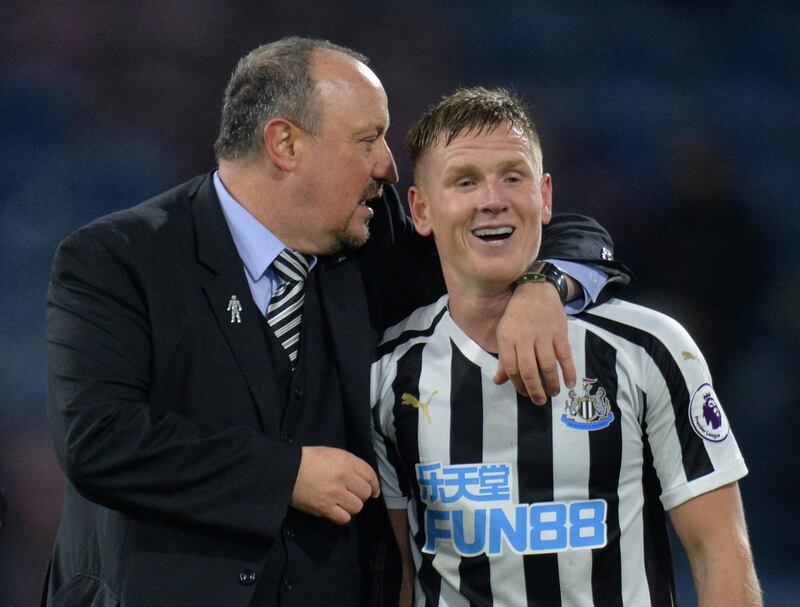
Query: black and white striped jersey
x,y
514,504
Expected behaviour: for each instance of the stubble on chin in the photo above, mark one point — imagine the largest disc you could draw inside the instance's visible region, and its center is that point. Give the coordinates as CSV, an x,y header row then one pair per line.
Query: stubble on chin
x,y
348,240
352,237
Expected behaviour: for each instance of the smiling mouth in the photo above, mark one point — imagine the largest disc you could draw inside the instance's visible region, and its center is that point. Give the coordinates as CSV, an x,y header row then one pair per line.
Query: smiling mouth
x,y
493,234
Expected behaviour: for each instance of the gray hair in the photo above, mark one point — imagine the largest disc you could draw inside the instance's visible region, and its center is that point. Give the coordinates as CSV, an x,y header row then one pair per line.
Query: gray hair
x,y
272,81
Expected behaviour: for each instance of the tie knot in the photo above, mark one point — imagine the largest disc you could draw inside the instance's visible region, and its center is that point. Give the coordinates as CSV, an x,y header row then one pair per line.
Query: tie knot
x,y
291,266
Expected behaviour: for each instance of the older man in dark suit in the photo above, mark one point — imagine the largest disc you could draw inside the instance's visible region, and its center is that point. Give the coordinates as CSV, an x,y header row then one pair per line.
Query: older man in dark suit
x,y
209,353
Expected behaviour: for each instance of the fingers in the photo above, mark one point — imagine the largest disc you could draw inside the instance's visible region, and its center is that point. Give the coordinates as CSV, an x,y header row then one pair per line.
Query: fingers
x,y
523,372
500,376
366,473
507,369
529,376
346,505
350,503
551,354
338,515
533,344
539,372
546,356
564,356
333,483
360,487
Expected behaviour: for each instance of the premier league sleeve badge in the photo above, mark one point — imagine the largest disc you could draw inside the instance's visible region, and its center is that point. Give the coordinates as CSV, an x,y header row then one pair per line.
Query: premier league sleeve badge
x,y
706,415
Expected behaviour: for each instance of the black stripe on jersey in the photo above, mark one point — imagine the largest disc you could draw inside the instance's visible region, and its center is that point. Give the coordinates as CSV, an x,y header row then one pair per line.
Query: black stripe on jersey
x,y
696,462
535,478
466,447
405,336
657,554
605,463
406,421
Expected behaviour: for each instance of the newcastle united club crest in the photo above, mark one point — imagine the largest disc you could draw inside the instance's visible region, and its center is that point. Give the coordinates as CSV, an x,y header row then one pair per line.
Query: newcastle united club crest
x,y
588,411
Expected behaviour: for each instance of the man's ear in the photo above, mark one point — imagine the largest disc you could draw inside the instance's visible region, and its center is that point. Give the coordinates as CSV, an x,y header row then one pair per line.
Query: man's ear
x,y
280,142
546,189
419,210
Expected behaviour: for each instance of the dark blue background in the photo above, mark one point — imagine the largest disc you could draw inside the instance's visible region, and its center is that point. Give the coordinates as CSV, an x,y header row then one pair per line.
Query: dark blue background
x,y
676,126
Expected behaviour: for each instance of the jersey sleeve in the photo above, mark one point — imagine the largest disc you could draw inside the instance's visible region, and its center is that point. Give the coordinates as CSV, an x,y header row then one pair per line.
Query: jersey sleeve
x,y
694,450
684,425
382,400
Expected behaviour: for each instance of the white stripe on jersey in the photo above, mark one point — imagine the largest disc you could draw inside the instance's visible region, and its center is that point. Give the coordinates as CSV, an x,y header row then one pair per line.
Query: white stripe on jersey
x,y
571,467
434,446
508,582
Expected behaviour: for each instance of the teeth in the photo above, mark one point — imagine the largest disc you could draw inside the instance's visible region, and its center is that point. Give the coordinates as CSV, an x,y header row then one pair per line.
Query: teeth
x,y
493,231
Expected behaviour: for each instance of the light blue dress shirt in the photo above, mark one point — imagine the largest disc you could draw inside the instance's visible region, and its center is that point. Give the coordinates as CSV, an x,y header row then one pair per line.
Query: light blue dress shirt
x,y
257,246
591,279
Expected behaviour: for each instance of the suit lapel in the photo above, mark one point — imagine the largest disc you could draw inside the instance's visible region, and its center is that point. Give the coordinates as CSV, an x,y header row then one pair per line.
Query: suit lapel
x,y
345,303
223,278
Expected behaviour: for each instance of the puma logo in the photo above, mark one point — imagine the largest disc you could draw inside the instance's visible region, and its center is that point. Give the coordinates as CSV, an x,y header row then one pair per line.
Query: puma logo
x,y
688,355
412,401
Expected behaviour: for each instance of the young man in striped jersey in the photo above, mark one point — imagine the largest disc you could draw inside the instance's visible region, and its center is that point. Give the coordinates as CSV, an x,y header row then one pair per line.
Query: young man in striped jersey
x,y
497,502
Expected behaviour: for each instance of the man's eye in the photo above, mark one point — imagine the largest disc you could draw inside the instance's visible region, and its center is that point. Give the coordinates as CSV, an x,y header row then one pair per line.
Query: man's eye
x,y
464,182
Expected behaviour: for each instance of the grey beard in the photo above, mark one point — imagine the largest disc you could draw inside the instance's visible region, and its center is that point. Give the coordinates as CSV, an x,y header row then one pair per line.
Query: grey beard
x,y
345,242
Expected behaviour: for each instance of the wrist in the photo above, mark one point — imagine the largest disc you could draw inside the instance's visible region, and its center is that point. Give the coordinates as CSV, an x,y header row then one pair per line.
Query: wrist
x,y
543,271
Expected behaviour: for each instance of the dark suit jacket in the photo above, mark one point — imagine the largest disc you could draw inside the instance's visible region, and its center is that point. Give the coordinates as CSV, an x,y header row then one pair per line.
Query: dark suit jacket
x,y
162,410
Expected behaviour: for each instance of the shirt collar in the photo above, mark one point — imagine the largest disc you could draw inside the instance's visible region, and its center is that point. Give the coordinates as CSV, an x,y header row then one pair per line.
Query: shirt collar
x,y
257,246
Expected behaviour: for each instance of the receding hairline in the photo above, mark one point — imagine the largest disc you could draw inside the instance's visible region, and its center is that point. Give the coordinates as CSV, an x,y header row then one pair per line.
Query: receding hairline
x,y
274,80
343,73
340,60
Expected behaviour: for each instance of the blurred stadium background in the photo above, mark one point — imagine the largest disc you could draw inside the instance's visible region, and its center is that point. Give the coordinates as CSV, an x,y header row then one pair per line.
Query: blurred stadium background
x,y
676,125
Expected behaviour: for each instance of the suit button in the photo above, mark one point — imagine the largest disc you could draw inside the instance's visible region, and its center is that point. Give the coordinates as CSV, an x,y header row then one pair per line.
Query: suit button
x,y
288,438
247,577
288,586
298,392
290,535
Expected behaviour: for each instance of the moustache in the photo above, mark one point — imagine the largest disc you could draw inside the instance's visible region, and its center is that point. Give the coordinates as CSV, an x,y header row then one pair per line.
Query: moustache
x,y
374,190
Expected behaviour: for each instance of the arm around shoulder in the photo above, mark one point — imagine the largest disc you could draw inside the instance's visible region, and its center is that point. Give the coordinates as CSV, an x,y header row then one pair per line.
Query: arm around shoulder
x,y
532,334
580,239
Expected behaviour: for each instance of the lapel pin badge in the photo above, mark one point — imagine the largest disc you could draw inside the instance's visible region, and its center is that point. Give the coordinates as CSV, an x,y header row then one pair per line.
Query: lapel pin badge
x,y
235,308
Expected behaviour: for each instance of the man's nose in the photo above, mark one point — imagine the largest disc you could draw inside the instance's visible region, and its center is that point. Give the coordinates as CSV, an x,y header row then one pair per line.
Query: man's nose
x,y
385,170
495,200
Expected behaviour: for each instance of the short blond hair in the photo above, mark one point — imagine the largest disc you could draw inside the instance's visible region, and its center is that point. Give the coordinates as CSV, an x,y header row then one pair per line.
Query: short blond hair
x,y
471,110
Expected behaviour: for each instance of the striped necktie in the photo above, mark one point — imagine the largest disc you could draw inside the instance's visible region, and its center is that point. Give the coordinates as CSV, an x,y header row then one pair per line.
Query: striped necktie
x,y
286,306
